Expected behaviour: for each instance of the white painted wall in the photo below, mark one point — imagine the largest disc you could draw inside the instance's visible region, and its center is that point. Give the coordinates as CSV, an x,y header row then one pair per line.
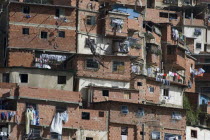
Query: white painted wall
x,y
41,78
96,135
208,36
104,45
189,32
202,134
83,82
175,95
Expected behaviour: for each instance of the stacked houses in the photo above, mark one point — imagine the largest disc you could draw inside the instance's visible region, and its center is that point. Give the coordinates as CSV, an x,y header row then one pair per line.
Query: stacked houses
x,y
104,69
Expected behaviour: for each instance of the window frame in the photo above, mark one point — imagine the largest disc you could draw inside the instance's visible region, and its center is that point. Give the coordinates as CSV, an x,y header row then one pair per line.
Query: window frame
x,y
90,20
167,91
61,81
113,67
82,116
196,134
91,68
28,10
61,34
25,31
124,106
44,35
22,74
106,93
126,131
5,77
150,87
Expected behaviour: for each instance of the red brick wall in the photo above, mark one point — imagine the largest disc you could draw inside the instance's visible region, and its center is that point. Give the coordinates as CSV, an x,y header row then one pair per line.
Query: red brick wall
x,y
50,94
103,72
188,76
95,122
39,17
153,15
20,58
115,95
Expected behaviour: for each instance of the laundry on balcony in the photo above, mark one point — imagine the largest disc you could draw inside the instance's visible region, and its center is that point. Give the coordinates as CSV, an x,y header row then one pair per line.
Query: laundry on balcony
x,y
117,25
175,34
157,31
122,9
176,116
57,123
198,72
7,115
197,32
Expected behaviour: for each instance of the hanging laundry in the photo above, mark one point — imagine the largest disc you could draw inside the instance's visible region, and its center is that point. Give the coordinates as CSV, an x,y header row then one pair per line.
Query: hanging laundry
x,y
132,13
117,24
29,118
57,123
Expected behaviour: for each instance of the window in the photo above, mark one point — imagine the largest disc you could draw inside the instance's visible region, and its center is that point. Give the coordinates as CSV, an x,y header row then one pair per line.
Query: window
x,y
170,50
61,34
23,78
193,133
105,92
91,64
60,109
164,15
5,78
176,116
124,109
35,134
88,41
26,9
151,89
101,114
174,136
56,136
25,31
59,12
89,138
166,92
155,135
139,83
44,35
172,16
118,66
124,130
127,95
198,45
61,80
140,112
85,115
207,60
91,20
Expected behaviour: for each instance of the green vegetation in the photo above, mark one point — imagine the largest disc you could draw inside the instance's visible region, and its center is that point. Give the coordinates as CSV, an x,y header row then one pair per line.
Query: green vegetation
x,y
192,115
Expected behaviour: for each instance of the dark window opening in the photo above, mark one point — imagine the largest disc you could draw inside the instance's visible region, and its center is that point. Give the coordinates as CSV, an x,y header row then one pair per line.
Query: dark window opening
x,y
91,64
164,15
151,89
193,133
172,16
61,34
43,35
61,79
124,130
89,138
198,45
101,114
57,12
26,9
166,92
5,78
31,105
24,78
124,109
139,83
207,60
105,92
25,31
118,66
91,20
85,115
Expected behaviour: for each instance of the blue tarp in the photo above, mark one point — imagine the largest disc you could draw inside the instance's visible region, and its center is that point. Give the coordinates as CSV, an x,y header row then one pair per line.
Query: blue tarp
x,y
131,12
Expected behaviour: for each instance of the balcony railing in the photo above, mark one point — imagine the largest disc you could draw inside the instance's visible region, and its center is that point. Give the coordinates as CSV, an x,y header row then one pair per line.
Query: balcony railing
x,y
39,1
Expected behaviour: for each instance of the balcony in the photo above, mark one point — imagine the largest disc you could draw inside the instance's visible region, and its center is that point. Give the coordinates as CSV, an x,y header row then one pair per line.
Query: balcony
x,y
194,22
39,1
153,54
116,24
10,118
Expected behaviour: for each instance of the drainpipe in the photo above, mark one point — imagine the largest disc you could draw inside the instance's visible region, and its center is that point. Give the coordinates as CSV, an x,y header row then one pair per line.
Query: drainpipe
x,y
142,131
